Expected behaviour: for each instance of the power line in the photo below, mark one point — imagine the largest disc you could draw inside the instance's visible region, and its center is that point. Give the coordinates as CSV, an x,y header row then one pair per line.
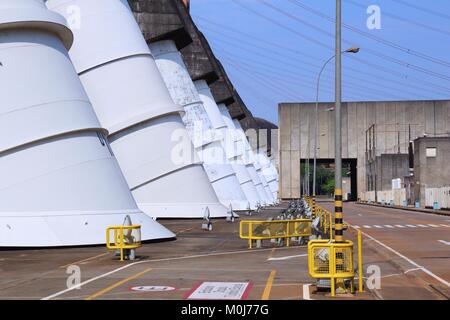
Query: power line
x,y
257,95
263,79
265,41
432,12
312,67
330,79
358,87
396,17
375,66
251,74
301,53
311,39
373,37
371,51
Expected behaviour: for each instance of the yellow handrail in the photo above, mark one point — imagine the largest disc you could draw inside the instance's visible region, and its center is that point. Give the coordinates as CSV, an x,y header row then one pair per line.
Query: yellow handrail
x,y
124,237
264,230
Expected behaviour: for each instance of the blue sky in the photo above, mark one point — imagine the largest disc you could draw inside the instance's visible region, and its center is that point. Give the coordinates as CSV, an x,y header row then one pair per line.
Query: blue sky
x,y
272,56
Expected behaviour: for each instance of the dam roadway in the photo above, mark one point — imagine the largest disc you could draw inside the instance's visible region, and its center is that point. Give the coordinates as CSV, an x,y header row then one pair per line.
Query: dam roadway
x,y
406,246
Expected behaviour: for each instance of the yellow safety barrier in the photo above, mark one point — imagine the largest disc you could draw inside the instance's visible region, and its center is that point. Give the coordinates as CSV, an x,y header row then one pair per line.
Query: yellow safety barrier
x,y
123,238
264,230
332,260
325,222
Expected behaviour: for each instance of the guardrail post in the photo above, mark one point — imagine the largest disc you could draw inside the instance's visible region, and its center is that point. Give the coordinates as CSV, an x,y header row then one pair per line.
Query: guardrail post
x,y
121,242
331,226
250,233
332,270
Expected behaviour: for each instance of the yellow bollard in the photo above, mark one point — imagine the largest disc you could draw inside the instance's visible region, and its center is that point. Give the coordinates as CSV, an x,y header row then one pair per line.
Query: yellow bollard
x,y
360,264
313,207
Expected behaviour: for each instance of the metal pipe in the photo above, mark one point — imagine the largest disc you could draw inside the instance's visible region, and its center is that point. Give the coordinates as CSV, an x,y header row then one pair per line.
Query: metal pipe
x,y
251,164
210,141
212,109
239,164
131,100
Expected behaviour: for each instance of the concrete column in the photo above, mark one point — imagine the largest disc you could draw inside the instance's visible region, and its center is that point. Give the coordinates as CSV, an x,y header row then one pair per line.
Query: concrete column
x,y
207,140
131,100
60,183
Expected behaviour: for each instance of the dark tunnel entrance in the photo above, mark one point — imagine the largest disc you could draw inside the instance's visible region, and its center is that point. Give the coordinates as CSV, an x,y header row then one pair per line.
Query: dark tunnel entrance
x,y
325,178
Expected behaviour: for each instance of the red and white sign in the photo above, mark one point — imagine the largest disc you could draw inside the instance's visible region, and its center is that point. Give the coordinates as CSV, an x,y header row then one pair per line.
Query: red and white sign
x,y
219,291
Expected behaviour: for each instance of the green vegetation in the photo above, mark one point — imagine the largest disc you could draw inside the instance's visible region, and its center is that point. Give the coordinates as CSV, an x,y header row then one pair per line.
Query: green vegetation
x,y
325,178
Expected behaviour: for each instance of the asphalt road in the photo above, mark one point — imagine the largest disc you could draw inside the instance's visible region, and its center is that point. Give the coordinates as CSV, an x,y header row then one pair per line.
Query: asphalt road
x,y
414,264
418,243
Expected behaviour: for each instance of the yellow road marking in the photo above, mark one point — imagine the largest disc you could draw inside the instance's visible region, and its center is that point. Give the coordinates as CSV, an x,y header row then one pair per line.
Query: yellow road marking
x,y
117,284
84,260
268,288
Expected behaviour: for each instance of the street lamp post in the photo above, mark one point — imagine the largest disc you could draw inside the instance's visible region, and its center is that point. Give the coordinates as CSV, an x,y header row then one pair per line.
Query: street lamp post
x,y
338,102
338,217
316,116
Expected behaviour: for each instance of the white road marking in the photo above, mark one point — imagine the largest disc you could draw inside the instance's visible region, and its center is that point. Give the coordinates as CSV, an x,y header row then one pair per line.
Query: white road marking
x,y
154,260
306,295
377,226
399,226
357,227
445,225
388,226
367,227
444,242
411,226
433,225
422,226
411,270
287,257
419,267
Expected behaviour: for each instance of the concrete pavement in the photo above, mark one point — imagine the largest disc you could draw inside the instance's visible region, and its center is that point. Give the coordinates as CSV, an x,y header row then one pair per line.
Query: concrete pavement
x,y
199,256
415,242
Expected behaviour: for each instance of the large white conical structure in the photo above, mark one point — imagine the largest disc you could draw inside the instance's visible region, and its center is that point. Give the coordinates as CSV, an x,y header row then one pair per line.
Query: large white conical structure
x,y
233,186
240,149
60,185
207,141
260,171
252,164
270,173
131,100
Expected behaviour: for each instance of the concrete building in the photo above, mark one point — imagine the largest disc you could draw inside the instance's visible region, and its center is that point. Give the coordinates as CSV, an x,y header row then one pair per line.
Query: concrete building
x,y
384,169
395,123
431,165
